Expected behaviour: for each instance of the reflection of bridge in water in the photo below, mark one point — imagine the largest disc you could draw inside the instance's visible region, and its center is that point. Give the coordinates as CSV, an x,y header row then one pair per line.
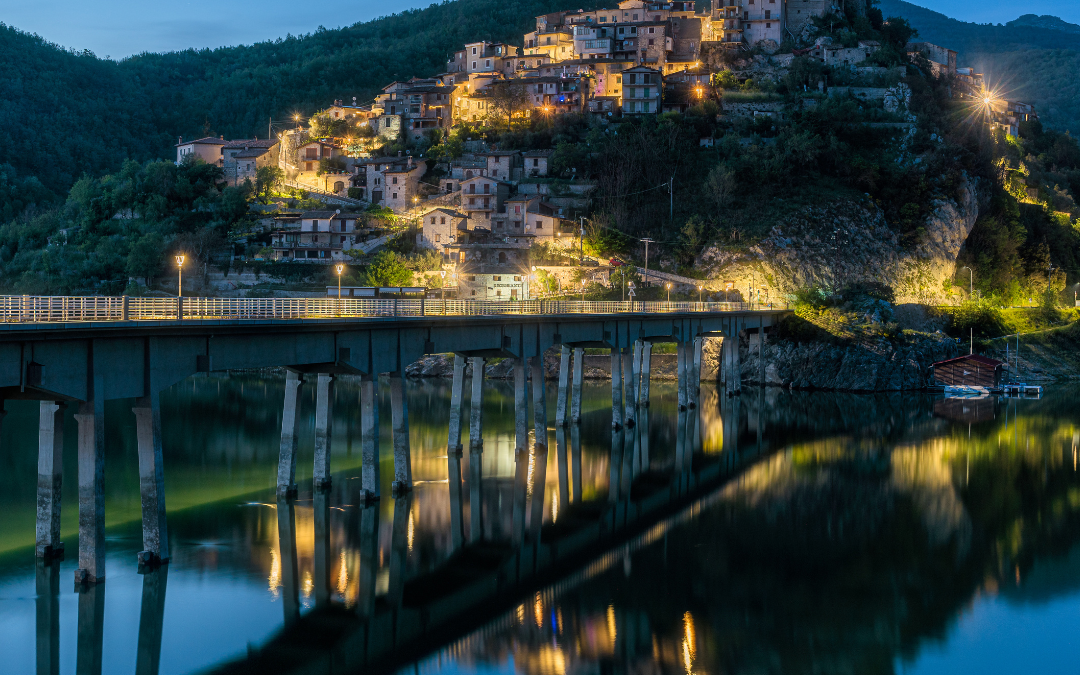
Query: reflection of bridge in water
x,y
498,546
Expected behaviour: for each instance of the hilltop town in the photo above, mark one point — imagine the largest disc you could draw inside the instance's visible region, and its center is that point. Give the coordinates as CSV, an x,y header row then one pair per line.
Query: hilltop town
x,y
424,154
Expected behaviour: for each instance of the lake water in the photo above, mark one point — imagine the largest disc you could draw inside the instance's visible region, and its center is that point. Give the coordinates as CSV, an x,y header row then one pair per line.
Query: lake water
x,y
861,534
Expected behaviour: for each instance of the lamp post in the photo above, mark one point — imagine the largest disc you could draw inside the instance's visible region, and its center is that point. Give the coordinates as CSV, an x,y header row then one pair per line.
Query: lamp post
x,y
180,277
581,260
583,290
669,292
340,268
699,289
442,276
646,241
971,282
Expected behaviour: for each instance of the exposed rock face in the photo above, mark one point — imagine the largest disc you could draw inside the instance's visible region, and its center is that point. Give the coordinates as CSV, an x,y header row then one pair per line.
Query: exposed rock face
x,y
862,367
846,242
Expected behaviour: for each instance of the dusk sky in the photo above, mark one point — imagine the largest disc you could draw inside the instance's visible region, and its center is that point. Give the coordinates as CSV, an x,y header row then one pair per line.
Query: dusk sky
x,y
119,28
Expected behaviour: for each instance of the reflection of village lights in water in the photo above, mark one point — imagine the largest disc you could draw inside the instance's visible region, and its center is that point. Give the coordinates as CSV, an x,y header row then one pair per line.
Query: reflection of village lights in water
x,y
558,619
412,531
611,623
554,505
538,611
551,661
308,584
529,478
521,613
343,576
689,642
275,571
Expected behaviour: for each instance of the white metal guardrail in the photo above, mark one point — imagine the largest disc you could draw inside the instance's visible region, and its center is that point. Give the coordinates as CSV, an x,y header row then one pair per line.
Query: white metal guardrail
x,y
85,309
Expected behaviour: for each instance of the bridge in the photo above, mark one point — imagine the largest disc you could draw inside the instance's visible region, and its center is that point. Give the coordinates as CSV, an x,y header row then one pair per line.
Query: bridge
x,y
84,351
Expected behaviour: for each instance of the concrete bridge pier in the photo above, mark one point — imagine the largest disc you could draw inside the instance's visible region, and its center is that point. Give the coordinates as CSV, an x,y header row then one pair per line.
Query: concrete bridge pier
x,y
476,450
454,454
47,612
290,418
151,621
321,557
91,630
731,366
575,390
629,388
521,451
324,430
91,419
399,412
615,466
695,375
616,389
636,371
564,382
290,571
646,371
50,479
151,481
369,442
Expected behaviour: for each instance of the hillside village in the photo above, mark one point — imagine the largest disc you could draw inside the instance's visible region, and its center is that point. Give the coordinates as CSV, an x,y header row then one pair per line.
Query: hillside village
x,y
417,154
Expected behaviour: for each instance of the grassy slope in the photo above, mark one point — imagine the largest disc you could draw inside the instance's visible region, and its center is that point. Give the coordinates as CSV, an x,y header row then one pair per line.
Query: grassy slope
x,y
1029,63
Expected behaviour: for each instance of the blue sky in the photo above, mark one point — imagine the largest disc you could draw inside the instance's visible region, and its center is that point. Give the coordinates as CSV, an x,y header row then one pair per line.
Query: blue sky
x,y
119,28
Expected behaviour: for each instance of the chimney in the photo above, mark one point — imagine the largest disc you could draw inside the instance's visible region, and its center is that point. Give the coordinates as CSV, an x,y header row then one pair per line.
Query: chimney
x,y
399,153
222,137
180,141
410,162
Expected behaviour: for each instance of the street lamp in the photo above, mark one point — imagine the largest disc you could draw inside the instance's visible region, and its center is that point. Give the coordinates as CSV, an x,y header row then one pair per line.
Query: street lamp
x,y
180,278
971,281
646,241
442,276
340,268
583,290
669,292
699,289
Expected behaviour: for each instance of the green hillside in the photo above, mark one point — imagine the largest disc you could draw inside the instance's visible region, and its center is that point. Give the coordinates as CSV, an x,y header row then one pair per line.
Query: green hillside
x,y
65,113
1033,59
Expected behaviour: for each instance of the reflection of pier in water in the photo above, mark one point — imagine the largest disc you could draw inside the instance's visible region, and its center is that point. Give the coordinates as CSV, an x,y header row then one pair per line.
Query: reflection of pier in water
x,y
534,523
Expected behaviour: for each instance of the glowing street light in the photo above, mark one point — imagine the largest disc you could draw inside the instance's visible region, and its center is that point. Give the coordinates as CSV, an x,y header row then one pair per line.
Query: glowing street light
x,y
669,292
442,275
180,278
340,268
699,289
583,290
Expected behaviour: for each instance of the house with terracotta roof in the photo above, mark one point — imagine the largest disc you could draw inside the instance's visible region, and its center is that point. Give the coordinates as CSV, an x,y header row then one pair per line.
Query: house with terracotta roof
x,y
209,150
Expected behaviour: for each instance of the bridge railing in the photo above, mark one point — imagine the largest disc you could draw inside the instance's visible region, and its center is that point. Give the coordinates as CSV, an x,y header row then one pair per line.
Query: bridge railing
x,y
79,309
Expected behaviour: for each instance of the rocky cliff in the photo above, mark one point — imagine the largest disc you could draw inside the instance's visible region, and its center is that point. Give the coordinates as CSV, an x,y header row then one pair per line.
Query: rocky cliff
x,y
850,241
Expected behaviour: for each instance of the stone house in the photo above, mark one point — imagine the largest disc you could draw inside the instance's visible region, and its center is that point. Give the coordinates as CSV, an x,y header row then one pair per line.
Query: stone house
x,y
642,89
501,163
531,217
322,236
441,228
536,162
242,158
942,59
483,197
209,150
389,181
491,269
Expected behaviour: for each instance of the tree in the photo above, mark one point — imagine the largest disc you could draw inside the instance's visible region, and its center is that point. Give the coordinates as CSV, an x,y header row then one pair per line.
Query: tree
x,y
144,259
725,79
508,98
720,185
267,179
387,269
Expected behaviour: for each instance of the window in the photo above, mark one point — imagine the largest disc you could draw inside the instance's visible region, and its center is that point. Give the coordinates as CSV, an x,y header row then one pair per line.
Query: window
x,y
487,189
502,256
474,51
395,195
536,162
651,42
314,225
487,63
474,65
539,224
768,14
651,29
438,238
395,180
768,25
498,293
635,17
442,220
433,220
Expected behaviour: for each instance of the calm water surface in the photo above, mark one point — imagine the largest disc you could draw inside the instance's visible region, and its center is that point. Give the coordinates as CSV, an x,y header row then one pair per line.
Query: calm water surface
x,y
891,534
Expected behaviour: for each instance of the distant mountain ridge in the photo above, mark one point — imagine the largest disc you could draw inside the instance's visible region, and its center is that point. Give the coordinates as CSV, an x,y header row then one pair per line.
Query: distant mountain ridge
x,y
1046,22
1033,59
